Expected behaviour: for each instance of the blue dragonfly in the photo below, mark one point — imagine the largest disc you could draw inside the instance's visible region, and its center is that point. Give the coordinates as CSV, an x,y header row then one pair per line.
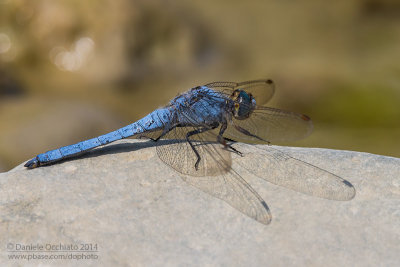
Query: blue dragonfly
x,y
202,128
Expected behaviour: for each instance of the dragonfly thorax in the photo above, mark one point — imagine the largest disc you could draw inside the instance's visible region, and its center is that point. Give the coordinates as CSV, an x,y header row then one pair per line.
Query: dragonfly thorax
x,y
244,104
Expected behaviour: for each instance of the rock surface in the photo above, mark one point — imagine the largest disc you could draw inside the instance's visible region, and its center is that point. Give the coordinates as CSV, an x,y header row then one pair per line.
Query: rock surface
x,y
139,212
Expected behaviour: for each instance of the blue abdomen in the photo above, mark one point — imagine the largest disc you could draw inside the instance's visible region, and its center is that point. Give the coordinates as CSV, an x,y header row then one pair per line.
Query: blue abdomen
x,y
156,120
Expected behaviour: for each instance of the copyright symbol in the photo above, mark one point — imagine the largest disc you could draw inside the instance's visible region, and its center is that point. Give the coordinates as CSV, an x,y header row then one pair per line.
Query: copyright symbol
x,y
10,246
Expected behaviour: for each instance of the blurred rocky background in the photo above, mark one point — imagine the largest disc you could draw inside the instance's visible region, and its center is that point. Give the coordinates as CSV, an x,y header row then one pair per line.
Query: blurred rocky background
x,y
70,70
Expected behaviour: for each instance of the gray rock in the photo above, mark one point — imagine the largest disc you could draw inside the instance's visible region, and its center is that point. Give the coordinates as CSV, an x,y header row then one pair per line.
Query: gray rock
x,y
139,212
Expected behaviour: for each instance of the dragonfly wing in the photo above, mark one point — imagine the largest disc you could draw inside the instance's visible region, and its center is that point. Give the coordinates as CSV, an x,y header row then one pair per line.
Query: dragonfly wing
x,y
149,134
178,153
272,125
262,90
235,191
281,169
214,174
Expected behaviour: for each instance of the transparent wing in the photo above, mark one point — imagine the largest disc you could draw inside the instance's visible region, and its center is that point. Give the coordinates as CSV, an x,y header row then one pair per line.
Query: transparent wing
x,y
178,153
272,125
195,150
149,134
235,191
262,90
281,169
214,174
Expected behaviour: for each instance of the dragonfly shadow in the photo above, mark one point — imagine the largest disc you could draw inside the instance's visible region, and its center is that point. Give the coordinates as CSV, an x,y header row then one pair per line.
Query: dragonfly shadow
x,y
115,149
119,148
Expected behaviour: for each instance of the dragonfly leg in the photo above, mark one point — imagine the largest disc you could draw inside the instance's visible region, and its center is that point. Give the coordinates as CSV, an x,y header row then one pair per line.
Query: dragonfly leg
x,y
244,131
223,140
198,131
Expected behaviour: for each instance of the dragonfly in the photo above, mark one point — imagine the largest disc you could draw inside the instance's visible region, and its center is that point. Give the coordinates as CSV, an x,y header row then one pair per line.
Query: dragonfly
x,y
207,128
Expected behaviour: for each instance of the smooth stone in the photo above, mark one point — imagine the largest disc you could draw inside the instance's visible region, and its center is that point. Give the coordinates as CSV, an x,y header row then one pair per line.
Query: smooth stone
x,y
139,212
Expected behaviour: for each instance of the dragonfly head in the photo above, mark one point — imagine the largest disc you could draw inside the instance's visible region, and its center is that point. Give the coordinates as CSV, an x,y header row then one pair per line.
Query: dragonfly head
x,y
244,104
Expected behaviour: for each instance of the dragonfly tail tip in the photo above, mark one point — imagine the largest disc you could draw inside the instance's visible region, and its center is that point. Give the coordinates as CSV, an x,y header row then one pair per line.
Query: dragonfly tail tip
x,y
31,164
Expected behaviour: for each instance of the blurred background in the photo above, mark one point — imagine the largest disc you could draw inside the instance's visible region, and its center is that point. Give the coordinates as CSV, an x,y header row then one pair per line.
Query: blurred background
x,y
71,70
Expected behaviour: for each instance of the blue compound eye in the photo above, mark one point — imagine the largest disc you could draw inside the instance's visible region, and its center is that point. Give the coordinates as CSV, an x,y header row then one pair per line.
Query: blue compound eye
x,y
244,96
244,105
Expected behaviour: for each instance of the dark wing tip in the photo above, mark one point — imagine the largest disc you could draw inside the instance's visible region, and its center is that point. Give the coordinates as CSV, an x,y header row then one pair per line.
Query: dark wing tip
x,y
305,117
347,183
352,192
269,81
267,217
